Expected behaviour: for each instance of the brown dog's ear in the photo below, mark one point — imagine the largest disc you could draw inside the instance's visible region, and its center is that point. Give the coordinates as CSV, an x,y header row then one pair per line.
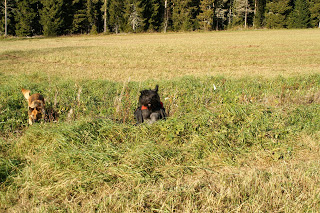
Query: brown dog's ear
x,y
156,89
26,93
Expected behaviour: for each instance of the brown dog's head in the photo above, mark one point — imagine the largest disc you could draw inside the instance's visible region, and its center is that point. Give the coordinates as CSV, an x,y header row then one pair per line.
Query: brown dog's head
x,y
36,106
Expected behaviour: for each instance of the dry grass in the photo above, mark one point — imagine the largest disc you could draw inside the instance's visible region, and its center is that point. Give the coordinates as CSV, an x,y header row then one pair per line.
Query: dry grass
x,y
166,56
252,145
280,186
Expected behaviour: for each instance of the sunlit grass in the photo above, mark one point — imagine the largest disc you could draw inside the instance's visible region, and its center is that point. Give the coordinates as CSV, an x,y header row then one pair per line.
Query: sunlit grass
x,y
166,56
242,134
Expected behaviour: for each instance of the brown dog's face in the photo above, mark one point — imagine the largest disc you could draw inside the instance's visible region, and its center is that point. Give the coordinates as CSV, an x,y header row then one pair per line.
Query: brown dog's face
x,y
36,106
36,110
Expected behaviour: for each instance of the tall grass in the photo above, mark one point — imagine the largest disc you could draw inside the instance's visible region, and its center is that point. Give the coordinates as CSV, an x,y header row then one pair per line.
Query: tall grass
x,y
251,144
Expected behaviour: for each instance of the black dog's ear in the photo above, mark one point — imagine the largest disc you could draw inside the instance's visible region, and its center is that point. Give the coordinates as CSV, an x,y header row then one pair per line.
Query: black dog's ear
x,y
142,92
156,89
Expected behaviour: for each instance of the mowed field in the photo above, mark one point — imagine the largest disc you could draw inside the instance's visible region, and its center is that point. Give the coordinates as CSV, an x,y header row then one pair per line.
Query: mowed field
x,y
243,132
166,56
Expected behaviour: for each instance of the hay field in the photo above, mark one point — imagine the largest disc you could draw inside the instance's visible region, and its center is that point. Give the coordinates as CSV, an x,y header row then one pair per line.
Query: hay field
x,y
243,132
166,56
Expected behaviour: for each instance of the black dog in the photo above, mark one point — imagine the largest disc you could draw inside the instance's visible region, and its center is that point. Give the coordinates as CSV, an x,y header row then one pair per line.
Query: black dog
x,y
151,108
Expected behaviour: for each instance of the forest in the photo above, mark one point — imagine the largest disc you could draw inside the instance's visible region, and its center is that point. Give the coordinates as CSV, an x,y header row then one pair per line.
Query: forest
x,y
65,17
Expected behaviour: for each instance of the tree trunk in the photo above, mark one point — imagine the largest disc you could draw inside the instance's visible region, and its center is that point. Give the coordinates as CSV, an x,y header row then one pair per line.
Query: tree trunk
x,y
246,15
255,11
217,24
229,21
105,17
5,18
165,16
214,7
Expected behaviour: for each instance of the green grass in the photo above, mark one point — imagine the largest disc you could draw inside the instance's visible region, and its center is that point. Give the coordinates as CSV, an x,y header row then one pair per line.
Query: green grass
x,y
251,145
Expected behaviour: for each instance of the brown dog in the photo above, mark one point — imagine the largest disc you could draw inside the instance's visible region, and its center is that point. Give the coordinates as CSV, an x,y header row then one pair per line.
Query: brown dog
x,y
36,106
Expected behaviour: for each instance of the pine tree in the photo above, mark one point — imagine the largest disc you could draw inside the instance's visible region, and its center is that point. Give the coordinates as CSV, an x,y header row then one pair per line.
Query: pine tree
x,y
315,13
90,15
134,20
94,15
242,12
180,14
67,15
205,16
27,17
184,14
116,12
51,17
300,16
87,16
133,15
221,9
259,13
98,14
152,14
11,22
79,21
277,13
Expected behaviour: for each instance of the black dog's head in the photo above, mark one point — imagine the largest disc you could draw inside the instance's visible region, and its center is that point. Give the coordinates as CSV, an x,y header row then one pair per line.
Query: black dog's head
x,y
151,108
150,98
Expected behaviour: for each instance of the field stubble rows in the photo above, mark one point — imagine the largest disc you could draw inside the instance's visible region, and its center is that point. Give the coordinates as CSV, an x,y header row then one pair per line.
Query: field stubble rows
x,y
166,56
251,145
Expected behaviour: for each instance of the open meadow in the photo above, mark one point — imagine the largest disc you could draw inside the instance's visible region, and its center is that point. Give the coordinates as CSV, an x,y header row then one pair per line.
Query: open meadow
x,y
243,132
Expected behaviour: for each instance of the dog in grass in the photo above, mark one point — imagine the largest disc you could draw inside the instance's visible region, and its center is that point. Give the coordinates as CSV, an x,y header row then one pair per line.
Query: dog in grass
x,y
36,106
150,107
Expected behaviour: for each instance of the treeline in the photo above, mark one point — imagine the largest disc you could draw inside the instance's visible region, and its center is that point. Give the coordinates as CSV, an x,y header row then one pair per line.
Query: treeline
x,y
60,17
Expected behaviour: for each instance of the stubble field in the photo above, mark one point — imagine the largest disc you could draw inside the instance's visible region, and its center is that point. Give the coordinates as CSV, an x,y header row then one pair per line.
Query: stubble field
x,y
242,135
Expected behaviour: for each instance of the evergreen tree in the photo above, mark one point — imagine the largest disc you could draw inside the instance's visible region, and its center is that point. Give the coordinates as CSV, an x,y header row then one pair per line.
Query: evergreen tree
x,y
80,21
94,15
315,13
300,16
51,17
221,9
243,12
180,14
152,15
205,16
184,14
98,14
276,13
57,17
11,22
259,13
67,14
90,15
133,15
27,16
116,13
